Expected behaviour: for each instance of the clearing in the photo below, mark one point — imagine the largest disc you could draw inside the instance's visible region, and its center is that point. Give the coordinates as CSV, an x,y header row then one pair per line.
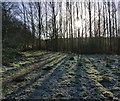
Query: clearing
x,y
53,75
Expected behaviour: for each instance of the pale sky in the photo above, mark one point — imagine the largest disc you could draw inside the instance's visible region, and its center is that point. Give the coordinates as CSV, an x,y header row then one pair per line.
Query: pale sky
x,y
55,0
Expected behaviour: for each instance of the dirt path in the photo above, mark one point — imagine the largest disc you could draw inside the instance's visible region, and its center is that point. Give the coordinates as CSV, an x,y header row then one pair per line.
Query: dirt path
x,y
108,70
31,77
70,77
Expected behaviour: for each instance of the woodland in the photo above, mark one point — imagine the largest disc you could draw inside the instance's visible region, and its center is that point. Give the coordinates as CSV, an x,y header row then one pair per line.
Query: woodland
x,y
61,49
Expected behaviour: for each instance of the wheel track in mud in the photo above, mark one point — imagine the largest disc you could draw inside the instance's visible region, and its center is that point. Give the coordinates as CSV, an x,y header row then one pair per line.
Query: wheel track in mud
x,y
57,75
86,82
33,67
19,91
22,89
95,67
19,68
51,75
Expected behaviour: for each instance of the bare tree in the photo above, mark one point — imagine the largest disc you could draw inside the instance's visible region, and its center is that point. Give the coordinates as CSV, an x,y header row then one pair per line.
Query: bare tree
x,y
32,24
90,23
77,11
38,6
109,14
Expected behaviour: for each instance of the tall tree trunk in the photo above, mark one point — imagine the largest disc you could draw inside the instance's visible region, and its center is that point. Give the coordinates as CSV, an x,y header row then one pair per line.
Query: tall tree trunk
x,y
90,24
46,27
55,34
99,34
33,26
24,15
39,24
77,11
60,19
104,27
109,15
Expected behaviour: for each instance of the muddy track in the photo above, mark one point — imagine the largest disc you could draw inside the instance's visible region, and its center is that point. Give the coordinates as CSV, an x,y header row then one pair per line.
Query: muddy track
x,y
54,74
69,78
110,80
87,86
40,58
30,69
99,65
67,81
38,71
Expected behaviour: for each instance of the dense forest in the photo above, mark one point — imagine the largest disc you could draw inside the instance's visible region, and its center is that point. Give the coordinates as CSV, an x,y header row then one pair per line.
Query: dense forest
x,y
79,27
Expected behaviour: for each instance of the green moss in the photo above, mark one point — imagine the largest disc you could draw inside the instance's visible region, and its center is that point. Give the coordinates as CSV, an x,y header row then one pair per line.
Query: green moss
x,y
107,93
59,95
18,64
9,56
47,68
31,59
26,54
38,53
93,71
106,78
118,84
35,86
85,60
2,69
66,81
71,73
14,64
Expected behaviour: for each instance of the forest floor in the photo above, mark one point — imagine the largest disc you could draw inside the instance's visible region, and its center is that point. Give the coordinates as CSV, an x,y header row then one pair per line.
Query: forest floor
x,y
53,75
